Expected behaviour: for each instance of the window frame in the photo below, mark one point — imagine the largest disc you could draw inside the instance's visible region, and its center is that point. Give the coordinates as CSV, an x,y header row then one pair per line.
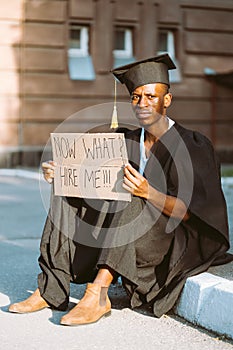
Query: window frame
x,y
175,75
171,50
80,63
128,39
84,41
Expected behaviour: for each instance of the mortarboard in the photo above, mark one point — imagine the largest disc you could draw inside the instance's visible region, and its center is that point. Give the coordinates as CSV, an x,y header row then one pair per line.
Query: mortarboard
x,y
148,71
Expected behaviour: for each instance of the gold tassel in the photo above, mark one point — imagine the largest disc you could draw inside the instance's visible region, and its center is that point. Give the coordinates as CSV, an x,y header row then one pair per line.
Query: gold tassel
x,y
114,123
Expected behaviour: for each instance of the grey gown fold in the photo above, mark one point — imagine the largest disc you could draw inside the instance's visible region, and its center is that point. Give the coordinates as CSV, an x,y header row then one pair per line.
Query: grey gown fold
x,y
69,248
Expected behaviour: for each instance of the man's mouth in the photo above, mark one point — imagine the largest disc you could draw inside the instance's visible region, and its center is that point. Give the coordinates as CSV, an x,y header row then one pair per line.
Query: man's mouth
x,y
143,114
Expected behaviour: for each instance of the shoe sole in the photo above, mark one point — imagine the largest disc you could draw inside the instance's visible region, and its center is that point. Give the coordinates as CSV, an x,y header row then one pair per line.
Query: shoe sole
x,y
27,312
83,324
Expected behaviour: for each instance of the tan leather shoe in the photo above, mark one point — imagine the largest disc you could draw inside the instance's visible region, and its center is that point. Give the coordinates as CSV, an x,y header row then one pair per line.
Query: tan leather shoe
x,y
90,308
34,303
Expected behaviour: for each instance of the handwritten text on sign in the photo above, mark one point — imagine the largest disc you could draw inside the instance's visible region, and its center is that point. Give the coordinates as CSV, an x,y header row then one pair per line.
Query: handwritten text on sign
x,y
90,165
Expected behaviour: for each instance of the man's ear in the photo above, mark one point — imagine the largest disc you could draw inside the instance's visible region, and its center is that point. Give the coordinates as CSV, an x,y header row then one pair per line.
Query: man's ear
x,y
167,100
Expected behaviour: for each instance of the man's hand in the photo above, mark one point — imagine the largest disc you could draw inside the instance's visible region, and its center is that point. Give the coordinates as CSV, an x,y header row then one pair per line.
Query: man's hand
x,y
48,170
135,183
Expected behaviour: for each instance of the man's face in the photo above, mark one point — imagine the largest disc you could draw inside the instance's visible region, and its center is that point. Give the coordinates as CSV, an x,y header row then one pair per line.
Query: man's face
x,y
149,103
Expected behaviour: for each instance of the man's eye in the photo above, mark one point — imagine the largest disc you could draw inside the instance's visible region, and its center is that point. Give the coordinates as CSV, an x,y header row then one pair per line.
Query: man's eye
x,y
153,98
134,98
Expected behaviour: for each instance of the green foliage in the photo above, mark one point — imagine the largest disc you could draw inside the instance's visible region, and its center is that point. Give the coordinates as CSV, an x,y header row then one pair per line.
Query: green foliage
x,y
227,171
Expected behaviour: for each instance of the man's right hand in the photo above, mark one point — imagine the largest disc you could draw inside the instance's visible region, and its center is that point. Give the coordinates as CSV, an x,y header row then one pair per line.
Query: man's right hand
x,y
48,170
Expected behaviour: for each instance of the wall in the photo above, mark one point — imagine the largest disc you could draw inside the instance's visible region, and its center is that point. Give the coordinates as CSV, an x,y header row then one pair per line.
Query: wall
x,y
10,53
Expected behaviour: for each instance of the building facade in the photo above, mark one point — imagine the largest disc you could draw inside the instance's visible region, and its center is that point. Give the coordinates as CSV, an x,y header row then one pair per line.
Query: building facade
x,y
55,58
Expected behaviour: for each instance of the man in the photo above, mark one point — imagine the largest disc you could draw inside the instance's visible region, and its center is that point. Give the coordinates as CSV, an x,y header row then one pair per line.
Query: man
x,y
174,227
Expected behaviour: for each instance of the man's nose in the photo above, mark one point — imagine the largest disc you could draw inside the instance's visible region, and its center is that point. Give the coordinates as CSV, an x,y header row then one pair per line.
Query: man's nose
x,y
143,102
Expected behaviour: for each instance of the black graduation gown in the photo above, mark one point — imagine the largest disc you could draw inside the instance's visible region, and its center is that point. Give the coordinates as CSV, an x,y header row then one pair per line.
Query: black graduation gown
x,y
183,165
154,254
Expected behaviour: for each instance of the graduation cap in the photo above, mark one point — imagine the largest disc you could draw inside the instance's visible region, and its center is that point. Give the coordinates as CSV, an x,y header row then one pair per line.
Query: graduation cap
x,y
148,71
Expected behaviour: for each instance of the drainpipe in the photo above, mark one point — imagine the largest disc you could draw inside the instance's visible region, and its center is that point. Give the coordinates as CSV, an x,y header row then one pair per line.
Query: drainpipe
x,y
213,113
209,72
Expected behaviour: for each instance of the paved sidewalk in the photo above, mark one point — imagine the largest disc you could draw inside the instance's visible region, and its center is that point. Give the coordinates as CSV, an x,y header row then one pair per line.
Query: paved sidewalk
x,y
22,217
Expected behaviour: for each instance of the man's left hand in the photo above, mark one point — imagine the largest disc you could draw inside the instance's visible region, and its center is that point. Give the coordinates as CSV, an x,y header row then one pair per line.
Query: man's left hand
x,y
135,183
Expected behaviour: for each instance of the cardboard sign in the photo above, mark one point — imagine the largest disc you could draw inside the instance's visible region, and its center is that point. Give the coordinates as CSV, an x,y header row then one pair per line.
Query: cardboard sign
x,y
90,165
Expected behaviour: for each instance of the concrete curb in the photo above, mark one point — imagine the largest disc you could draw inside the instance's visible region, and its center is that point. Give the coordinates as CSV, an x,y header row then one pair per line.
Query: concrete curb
x,y
28,174
227,180
207,301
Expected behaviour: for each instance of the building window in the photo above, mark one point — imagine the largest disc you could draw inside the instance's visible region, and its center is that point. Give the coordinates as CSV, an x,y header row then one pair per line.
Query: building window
x,y
78,40
123,46
79,60
166,44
